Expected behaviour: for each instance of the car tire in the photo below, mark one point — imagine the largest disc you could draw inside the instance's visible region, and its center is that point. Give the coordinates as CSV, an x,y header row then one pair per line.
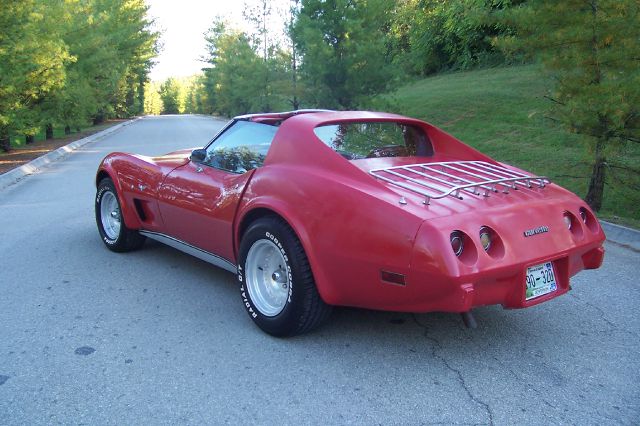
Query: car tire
x,y
276,282
113,231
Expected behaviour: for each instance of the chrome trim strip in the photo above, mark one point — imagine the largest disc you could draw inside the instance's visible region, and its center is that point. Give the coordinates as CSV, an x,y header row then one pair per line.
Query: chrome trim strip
x,y
214,259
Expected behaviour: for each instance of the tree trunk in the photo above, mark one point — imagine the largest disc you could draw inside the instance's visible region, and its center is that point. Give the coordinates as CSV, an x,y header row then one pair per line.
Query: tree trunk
x,y
98,119
67,130
596,184
5,140
49,131
294,58
29,139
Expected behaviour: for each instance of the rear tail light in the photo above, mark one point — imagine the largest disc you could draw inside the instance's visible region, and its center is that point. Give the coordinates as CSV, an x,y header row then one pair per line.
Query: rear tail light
x,y
573,225
485,238
457,242
464,247
583,215
491,242
568,222
589,219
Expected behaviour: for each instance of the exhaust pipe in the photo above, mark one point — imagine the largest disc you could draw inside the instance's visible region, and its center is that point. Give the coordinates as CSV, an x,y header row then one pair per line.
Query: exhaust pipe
x,y
469,320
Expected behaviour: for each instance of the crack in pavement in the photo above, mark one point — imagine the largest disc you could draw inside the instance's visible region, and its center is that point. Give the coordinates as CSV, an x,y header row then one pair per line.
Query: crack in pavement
x,y
602,314
434,352
521,379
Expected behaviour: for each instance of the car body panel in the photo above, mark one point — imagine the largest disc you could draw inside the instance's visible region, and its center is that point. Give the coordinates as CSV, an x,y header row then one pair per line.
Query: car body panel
x,y
356,230
355,256
198,205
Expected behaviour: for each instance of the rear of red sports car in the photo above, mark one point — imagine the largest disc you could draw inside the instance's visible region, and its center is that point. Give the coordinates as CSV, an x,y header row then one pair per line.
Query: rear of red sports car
x,y
362,209
411,219
517,250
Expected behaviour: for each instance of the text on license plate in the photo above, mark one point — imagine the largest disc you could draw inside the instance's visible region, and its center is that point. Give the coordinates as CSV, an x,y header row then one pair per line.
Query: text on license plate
x,y
540,280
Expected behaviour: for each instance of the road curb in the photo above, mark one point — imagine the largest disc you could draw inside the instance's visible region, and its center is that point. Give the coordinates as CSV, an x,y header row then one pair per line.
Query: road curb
x,y
33,166
622,235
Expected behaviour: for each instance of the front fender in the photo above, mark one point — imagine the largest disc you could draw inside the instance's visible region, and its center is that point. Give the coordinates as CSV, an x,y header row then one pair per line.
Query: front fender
x,y
108,168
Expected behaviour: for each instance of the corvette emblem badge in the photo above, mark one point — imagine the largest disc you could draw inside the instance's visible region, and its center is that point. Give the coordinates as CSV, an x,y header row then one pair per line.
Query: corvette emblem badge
x,y
536,231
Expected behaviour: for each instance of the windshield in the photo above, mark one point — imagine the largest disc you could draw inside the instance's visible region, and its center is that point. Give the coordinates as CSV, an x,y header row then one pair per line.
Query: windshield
x,y
355,141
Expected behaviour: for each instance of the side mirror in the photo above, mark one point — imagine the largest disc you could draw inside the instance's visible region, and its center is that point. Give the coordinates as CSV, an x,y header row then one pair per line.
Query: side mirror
x,y
198,155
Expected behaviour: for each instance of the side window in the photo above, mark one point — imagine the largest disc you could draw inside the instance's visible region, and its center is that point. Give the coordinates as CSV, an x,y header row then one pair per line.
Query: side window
x,y
241,147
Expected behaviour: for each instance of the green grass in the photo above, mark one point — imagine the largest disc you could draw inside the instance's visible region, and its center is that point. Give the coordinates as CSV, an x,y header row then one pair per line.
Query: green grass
x,y
501,112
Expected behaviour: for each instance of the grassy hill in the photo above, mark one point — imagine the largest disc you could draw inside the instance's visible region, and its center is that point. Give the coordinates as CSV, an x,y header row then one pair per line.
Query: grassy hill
x,y
502,112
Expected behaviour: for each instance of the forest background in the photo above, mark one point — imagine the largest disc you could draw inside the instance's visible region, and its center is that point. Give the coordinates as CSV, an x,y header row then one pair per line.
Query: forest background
x,y
552,87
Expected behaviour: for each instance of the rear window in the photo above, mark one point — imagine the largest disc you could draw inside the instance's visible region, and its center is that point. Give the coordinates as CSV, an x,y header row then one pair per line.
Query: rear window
x,y
355,141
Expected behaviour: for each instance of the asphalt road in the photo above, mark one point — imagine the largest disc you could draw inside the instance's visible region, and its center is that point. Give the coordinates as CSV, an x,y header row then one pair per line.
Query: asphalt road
x,y
88,336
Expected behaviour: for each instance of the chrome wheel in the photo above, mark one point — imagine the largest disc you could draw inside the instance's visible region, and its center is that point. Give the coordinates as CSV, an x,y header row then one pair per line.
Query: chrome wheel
x,y
110,215
267,279
275,279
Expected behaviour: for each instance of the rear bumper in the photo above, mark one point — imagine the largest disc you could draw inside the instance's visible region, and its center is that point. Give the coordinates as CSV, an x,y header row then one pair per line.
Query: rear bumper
x,y
504,286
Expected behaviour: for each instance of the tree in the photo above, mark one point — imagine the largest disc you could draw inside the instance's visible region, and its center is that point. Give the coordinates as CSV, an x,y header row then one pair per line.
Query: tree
x,y
263,16
170,93
32,64
291,58
121,44
429,36
137,44
591,49
343,44
67,62
152,100
233,80
113,46
194,91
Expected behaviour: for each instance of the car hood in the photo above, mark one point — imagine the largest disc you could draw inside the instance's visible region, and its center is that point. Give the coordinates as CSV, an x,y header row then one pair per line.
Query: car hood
x,y
175,158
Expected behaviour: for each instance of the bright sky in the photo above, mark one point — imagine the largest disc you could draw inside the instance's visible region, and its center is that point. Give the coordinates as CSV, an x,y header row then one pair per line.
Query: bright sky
x,y
183,24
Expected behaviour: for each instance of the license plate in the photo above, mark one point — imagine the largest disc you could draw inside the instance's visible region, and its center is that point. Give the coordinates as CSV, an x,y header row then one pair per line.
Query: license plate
x,y
540,280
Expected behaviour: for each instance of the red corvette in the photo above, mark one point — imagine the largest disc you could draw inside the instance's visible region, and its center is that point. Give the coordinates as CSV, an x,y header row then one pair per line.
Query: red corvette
x,y
318,208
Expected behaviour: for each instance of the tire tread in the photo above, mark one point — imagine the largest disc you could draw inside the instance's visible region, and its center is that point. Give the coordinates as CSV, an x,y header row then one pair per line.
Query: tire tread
x,y
313,311
129,239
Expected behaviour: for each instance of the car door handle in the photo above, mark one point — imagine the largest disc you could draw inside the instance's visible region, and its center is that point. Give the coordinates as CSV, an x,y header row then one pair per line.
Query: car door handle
x,y
199,169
